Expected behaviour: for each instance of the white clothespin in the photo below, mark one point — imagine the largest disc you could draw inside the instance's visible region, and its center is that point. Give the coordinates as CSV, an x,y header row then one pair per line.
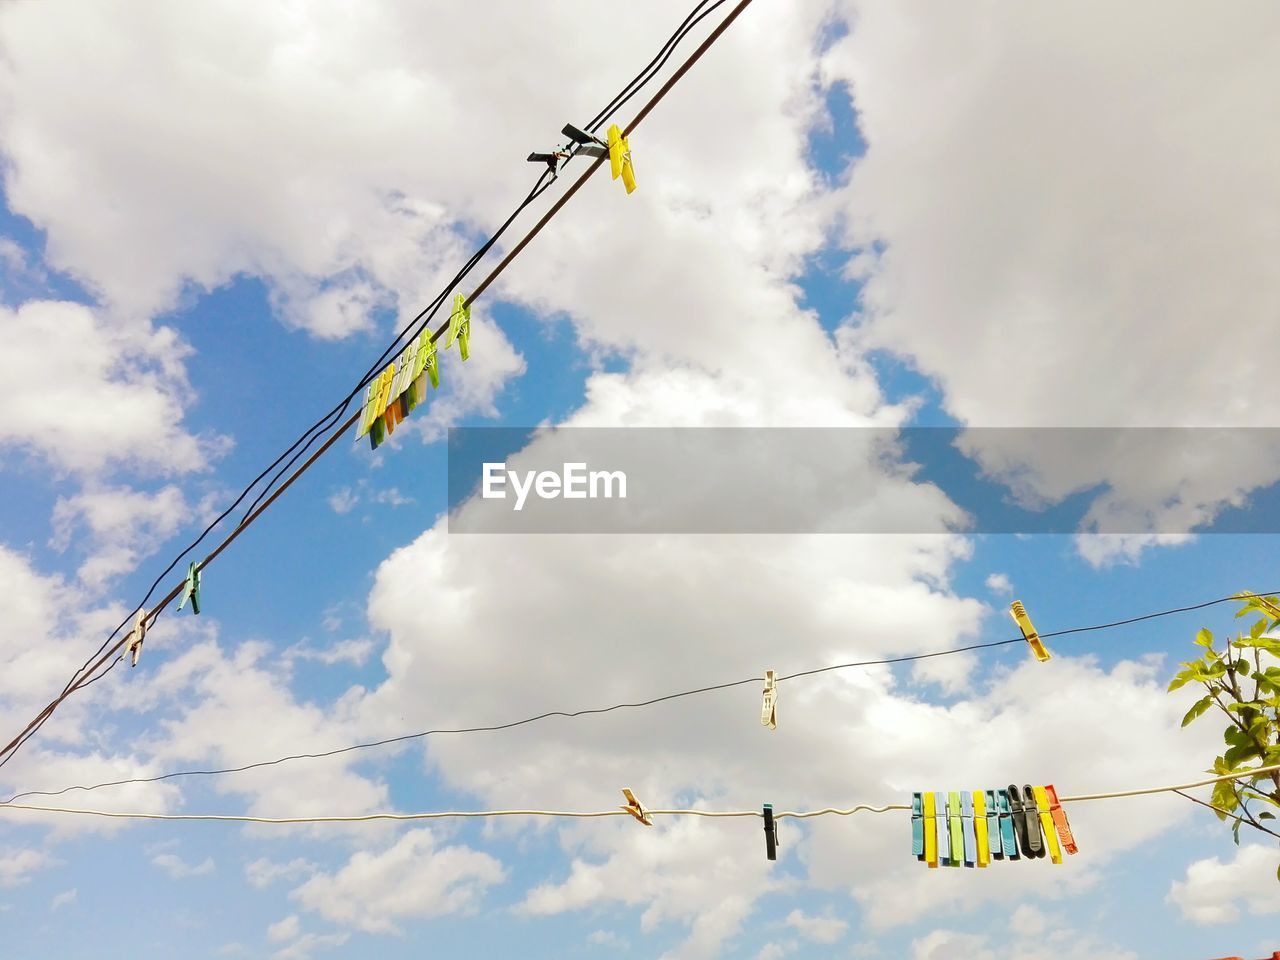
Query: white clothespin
x,y
633,807
134,646
769,712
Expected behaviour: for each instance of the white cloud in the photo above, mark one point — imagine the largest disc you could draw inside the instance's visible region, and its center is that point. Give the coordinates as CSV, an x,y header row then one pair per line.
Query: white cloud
x,y
125,384
947,943
999,583
17,866
305,945
1027,192
414,877
63,899
122,525
343,500
178,869
776,951
817,929
1214,891
607,938
354,652
286,929
263,872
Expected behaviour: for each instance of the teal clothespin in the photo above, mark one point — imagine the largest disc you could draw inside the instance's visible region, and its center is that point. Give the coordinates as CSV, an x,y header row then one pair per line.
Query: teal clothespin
x,y
917,826
192,589
460,326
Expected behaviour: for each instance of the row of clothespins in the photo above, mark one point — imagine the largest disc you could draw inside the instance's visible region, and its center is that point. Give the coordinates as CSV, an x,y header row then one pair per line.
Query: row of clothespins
x,y
395,392
975,827
769,709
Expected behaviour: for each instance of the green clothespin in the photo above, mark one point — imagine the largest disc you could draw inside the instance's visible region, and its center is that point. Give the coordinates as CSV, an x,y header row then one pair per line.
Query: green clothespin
x,y
426,363
192,589
460,326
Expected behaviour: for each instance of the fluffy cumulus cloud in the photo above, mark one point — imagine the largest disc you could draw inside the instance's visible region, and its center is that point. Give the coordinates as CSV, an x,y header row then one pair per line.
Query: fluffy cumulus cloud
x,y
120,527
17,866
1214,891
415,876
85,394
1063,232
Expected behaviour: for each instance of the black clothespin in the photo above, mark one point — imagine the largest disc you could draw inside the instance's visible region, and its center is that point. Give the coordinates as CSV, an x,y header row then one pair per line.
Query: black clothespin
x,y
1031,813
1019,824
552,160
770,833
588,145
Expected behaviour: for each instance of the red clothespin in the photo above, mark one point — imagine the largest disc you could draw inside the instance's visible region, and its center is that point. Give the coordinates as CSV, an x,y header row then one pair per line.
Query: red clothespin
x,y
633,807
1019,614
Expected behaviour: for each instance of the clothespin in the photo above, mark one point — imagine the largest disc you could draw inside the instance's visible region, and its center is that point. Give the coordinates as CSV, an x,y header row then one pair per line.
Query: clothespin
x,y
1024,814
980,834
770,833
427,361
134,646
955,829
633,807
769,712
943,831
588,145
1046,823
930,831
552,159
1008,825
993,825
616,148
917,826
969,828
366,418
620,158
1065,835
460,326
1019,614
191,590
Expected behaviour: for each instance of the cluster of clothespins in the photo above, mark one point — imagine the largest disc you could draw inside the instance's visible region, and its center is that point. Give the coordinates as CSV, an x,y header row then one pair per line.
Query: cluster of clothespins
x,y
394,393
614,146
190,592
975,827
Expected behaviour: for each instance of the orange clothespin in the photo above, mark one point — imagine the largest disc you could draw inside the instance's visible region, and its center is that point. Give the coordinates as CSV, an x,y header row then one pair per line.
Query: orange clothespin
x,y
134,644
1019,614
633,807
769,712
1059,815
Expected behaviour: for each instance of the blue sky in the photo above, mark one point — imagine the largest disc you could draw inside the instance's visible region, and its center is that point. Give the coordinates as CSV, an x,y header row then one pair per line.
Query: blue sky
x,y
926,220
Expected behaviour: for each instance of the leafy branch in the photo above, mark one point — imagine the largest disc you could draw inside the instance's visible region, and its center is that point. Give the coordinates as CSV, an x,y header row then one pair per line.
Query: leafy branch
x,y
1242,684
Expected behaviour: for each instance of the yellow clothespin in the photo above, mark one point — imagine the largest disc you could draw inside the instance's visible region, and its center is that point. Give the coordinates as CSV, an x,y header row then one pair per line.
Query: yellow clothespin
x,y
134,645
1046,822
769,712
620,158
1019,614
460,326
633,807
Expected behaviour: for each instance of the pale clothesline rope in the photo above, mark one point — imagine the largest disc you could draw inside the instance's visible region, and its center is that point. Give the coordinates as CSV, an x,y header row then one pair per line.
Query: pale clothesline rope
x,y
592,814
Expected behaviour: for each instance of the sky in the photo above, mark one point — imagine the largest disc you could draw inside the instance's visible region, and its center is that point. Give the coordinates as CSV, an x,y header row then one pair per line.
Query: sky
x,y
850,214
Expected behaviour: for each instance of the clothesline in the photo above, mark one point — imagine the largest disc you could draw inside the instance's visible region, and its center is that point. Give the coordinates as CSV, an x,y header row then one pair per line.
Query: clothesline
x,y
592,814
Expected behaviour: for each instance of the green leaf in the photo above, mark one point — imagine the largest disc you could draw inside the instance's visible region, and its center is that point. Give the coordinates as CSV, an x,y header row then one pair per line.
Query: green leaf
x,y
1205,638
1235,832
1266,815
1197,709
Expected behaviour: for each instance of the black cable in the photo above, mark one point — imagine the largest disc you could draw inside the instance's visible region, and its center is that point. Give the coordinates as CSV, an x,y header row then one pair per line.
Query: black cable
x,y
656,64
593,711
312,433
